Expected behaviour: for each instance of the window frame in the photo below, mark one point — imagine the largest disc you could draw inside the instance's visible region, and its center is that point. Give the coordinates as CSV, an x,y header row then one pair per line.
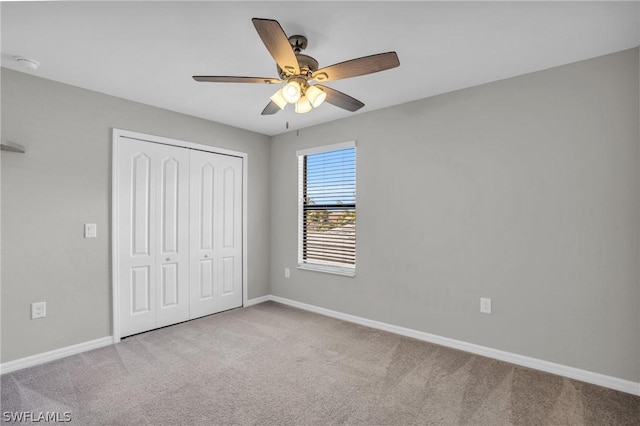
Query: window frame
x,y
302,264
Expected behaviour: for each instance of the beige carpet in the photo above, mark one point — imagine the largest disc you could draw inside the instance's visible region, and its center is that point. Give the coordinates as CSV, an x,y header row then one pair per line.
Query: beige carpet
x,y
275,365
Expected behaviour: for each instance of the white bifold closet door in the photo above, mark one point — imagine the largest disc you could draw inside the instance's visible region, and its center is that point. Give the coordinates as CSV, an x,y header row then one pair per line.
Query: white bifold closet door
x,y
179,234
216,233
154,236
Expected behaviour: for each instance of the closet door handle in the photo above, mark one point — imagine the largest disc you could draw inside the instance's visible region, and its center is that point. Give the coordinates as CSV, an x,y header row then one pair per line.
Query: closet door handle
x,y
206,255
168,259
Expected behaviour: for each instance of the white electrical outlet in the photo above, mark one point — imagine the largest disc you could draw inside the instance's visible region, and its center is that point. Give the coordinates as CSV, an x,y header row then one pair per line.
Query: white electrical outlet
x,y
485,305
287,273
38,310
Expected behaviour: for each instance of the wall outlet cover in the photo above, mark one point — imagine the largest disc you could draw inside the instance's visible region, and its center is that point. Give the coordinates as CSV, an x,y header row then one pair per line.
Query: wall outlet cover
x,y
38,310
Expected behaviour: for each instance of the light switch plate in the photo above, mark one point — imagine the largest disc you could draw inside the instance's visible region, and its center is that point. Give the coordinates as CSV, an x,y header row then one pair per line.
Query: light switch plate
x,y
485,305
90,230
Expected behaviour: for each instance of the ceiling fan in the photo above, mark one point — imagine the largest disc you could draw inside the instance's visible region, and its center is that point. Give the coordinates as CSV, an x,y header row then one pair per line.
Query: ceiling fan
x,y
298,71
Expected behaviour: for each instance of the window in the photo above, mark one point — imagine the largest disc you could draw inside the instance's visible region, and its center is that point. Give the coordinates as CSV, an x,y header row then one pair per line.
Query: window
x,y
327,208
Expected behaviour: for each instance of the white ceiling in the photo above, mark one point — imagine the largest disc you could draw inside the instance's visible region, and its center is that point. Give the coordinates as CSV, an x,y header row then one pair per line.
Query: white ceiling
x,y
148,51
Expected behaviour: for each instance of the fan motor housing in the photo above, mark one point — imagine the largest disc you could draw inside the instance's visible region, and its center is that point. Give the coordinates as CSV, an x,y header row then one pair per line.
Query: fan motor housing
x,y
307,66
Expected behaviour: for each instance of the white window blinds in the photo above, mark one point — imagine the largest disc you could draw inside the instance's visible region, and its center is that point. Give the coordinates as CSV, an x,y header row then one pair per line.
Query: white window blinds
x,y
327,208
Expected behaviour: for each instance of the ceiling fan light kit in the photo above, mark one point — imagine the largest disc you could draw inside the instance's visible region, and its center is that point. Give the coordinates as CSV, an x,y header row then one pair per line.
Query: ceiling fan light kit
x,y
304,97
292,92
316,96
278,99
298,71
303,105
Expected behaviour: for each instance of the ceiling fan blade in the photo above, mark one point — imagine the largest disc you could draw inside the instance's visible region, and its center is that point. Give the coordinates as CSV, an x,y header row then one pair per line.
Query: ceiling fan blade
x,y
277,44
339,99
229,79
356,67
270,109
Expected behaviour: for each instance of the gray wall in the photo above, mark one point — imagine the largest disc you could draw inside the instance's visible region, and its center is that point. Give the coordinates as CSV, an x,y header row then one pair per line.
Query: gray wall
x,y
64,181
524,190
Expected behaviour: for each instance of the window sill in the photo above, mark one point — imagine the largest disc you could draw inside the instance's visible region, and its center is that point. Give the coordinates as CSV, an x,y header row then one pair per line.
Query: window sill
x,y
336,270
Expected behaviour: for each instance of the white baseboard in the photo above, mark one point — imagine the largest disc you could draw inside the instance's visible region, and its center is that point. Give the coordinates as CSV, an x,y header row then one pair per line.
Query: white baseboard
x,y
537,364
33,360
256,300
30,361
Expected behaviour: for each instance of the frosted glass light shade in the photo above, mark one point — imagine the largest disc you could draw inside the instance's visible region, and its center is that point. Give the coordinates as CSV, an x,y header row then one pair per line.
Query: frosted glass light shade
x,y
292,92
316,96
303,105
278,99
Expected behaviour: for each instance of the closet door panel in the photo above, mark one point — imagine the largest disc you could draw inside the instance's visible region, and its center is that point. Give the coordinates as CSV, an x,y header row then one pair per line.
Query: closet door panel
x,y
140,188
169,288
204,235
227,276
205,180
206,279
141,291
228,207
216,233
170,203
173,234
136,237
230,251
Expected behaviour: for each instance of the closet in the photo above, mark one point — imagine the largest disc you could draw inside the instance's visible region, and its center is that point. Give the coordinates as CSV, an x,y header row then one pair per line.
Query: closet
x,y
178,233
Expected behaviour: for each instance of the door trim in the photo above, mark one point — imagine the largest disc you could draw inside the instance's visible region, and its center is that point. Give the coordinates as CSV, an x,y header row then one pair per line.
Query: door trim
x,y
120,136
